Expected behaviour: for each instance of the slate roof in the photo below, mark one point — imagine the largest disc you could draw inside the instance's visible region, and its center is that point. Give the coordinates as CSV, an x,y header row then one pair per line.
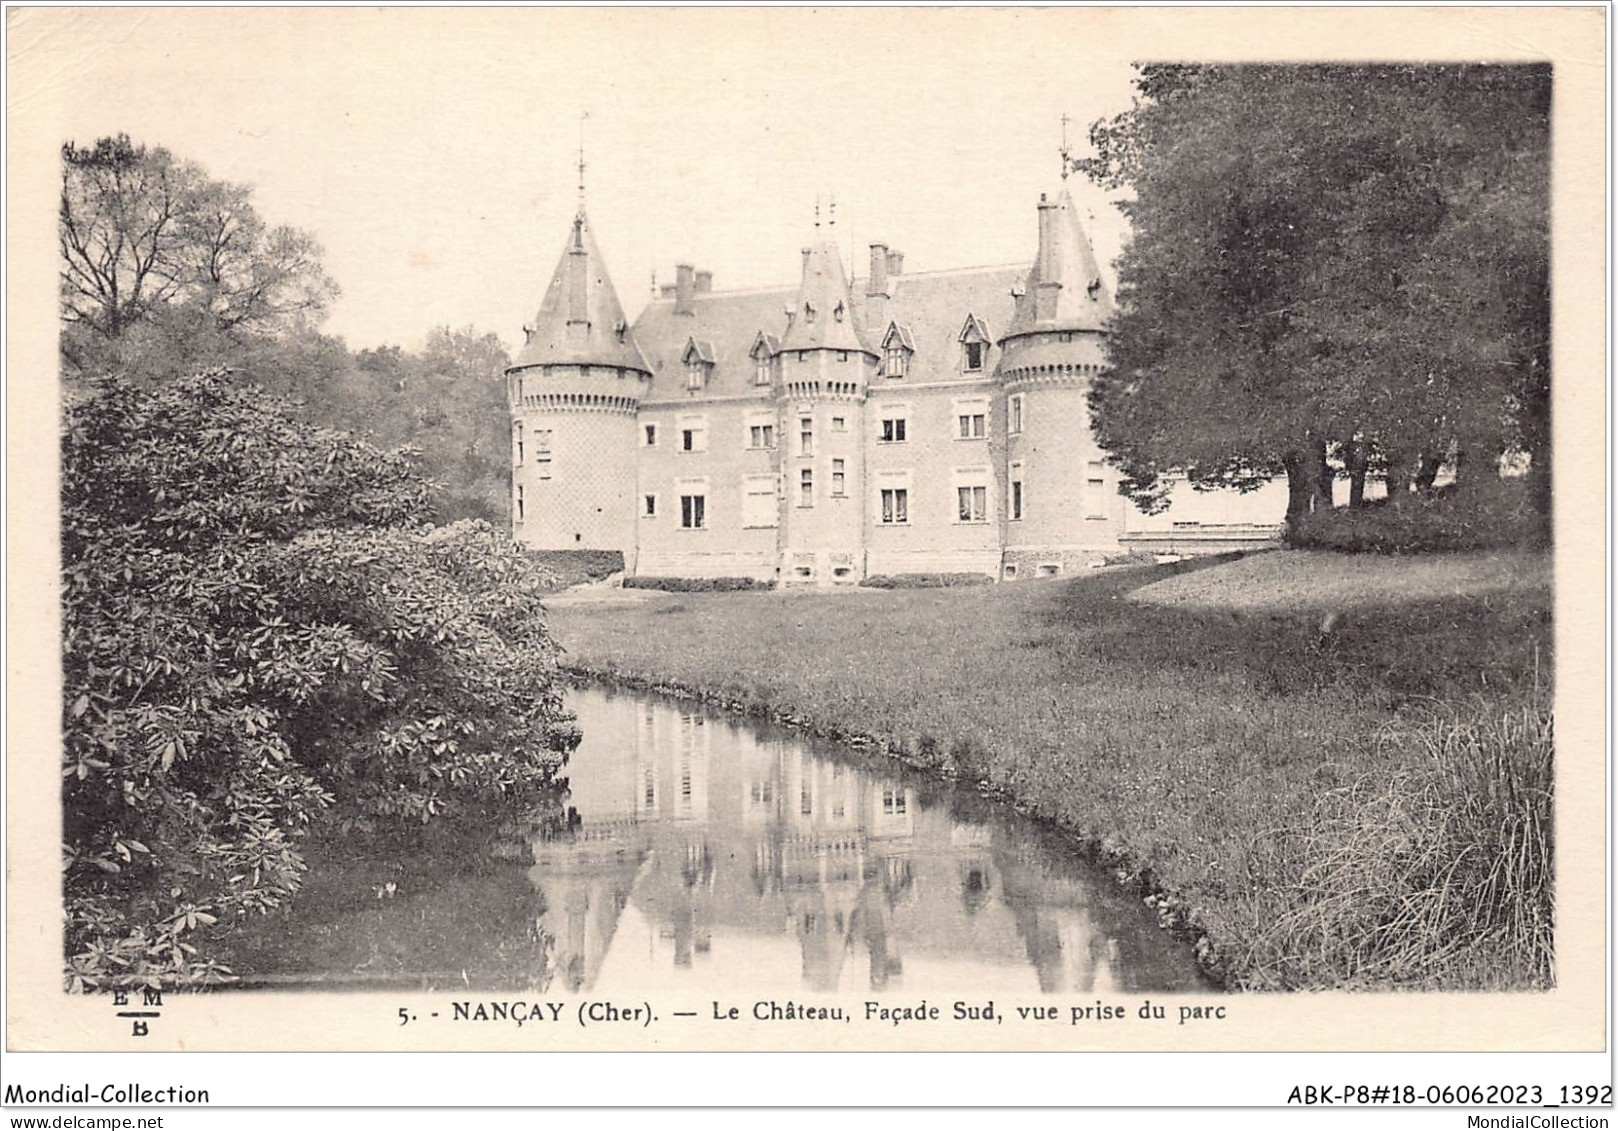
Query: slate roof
x,y
824,316
580,286
1083,303
728,321
930,307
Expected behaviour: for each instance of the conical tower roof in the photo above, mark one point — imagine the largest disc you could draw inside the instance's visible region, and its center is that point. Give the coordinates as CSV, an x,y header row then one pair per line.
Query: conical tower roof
x,y
1064,289
580,321
824,315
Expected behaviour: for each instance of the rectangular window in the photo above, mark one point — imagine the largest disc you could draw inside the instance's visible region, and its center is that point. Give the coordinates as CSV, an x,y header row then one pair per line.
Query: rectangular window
x,y
695,371
542,453
838,479
761,436
1095,490
893,430
694,436
971,425
1014,414
1096,495
806,487
806,435
516,443
973,503
693,511
651,435
893,802
893,361
758,501
520,507
974,355
651,506
895,506
761,373
839,424
1016,500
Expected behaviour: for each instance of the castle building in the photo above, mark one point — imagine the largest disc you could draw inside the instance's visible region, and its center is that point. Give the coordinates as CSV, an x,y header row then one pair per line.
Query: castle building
x,y
822,433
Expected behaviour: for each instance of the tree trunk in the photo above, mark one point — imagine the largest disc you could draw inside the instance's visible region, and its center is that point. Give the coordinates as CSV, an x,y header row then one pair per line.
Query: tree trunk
x,y
1398,472
1325,478
1301,481
1536,432
1354,461
1427,471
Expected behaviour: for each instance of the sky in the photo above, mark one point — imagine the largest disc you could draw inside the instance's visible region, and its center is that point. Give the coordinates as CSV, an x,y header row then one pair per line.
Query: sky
x,y
434,154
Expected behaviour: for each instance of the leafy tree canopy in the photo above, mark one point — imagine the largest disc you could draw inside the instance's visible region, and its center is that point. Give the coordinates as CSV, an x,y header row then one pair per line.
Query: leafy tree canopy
x,y
166,272
154,251
259,633
1338,257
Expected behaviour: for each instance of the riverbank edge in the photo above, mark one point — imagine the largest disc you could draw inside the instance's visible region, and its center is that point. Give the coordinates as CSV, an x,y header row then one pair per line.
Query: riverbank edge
x,y
1135,876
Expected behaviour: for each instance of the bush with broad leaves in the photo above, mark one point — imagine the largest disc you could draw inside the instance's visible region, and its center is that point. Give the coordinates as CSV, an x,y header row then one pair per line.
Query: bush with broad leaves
x,y
259,633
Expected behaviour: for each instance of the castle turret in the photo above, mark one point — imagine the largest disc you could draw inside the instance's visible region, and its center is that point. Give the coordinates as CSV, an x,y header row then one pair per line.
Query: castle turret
x,y
826,367
1062,510
574,390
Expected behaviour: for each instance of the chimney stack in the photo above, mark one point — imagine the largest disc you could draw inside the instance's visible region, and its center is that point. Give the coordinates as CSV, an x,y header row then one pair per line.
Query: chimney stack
x,y
877,284
578,282
704,282
684,287
1049,278
877,290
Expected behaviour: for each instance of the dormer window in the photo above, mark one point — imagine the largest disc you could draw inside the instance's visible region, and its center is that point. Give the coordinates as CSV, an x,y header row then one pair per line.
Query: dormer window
x,y
763,354
620,330
1093,289
895,360
897,348
809,313
698,359
974,339
837,311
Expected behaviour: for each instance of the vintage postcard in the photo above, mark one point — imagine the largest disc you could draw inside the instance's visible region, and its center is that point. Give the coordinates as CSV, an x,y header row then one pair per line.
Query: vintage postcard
x,y
798,530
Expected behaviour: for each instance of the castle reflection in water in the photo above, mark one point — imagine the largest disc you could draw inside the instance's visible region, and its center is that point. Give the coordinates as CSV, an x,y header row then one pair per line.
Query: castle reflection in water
x,y
707,856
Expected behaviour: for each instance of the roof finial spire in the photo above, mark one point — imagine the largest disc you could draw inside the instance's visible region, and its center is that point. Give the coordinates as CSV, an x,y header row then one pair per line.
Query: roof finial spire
x,y
582,118
1069,163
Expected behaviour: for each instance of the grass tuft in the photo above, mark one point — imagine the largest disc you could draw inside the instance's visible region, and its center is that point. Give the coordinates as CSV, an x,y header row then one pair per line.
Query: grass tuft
x,y
1436,877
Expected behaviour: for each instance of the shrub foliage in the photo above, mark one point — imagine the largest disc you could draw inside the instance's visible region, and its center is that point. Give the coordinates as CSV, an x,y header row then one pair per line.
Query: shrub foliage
x,y
1486,515
258,633
697,584
924,580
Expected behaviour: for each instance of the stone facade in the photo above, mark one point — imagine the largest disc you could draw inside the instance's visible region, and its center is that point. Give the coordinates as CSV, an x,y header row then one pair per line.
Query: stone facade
x,y
820,434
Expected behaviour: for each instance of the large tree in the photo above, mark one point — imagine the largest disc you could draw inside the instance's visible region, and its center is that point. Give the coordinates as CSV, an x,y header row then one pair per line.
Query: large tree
x,y
1334,258
259,633
157,255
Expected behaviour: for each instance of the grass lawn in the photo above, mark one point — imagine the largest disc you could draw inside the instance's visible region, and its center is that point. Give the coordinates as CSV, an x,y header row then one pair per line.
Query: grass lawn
x,y
1364,807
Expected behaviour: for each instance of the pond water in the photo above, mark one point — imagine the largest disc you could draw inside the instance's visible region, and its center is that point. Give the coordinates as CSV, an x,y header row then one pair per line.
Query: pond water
x,y
709,854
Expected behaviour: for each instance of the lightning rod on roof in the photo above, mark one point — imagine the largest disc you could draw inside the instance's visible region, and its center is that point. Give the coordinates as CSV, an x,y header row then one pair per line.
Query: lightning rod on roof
x,y
582,116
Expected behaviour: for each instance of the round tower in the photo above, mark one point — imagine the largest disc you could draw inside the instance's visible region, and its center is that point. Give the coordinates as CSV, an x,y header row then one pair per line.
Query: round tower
x,y
825,372
1062,509
574,391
